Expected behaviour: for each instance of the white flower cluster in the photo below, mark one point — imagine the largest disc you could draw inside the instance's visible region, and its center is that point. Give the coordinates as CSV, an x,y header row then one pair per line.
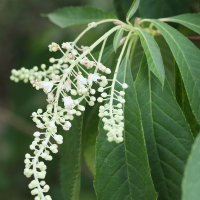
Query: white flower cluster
x,y
67,82
112,113
33,74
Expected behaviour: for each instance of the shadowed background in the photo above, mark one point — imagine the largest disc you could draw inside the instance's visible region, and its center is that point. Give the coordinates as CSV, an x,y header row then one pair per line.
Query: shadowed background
x,y
24,39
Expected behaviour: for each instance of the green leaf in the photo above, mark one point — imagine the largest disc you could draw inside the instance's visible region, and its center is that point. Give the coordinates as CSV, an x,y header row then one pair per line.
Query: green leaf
x,y
71,16
117,38
167,56
191,179
132,9
90,132
167,134
187,56
70,164
122,170
153,55
182,99
191,21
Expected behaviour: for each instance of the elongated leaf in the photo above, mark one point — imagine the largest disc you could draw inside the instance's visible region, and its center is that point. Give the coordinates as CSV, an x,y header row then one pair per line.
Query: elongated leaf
x,y
191,179
70,164
191,21
167,57
71,16
132,9
117,38
153,55
187,56
167,134
182,99
122,170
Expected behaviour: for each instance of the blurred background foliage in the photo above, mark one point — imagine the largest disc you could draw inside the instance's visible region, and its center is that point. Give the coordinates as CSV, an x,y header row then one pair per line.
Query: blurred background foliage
x,y
24,39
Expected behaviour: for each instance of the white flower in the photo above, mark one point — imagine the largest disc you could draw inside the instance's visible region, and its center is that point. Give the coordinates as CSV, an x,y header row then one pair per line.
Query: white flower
x,y
101,67
66,45
93,77
47,86
68,102
81,81
50,97
67,85
67,125
52,124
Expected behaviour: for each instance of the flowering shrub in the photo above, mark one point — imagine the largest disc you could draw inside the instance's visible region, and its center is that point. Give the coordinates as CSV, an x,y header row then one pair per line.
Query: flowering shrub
x,y
141,124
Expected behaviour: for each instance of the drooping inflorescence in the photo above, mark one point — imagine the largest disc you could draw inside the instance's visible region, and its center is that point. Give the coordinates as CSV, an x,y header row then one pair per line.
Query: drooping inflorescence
x,y
68,83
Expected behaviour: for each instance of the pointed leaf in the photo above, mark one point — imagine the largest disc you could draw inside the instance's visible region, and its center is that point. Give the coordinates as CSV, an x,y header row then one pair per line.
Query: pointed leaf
x,y
117,38
167,134
182,99
187,56
191,180
122,170
191,21
70,164
132,9
71,16
153,55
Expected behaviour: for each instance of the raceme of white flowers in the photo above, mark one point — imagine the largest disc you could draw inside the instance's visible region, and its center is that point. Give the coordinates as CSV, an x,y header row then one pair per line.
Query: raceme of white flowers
x,y
67,83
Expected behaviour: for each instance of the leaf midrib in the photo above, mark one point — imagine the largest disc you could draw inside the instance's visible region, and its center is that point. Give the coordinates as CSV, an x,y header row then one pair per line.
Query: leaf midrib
x,y
184,22
150,54
185,61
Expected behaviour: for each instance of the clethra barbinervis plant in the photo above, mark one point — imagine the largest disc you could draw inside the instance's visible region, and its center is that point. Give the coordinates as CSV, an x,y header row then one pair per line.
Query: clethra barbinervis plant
x,y
68,82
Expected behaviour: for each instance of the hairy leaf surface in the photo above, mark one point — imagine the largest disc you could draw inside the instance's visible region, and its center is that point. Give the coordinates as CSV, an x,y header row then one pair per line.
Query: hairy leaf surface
x,y
187,56
71,16
122,170
167,134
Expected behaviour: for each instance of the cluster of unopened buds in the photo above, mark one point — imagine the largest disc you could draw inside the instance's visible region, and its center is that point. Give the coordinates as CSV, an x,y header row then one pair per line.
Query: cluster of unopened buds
x,y
69,79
